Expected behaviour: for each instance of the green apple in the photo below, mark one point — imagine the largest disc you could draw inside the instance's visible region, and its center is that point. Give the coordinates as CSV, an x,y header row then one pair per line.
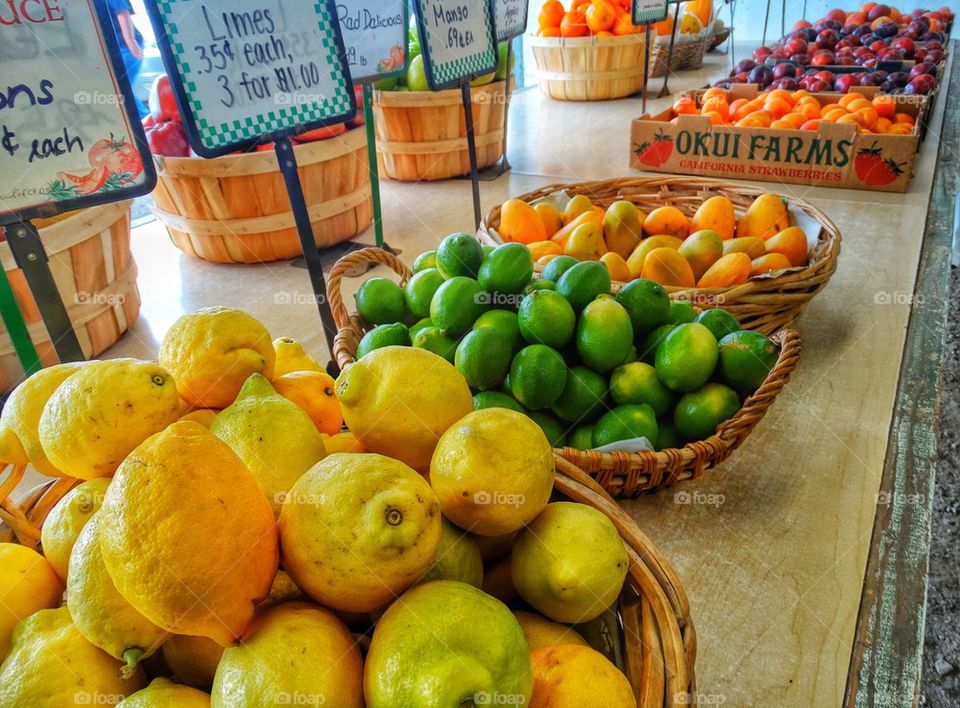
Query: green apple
x,y
484,80
502,70
417,75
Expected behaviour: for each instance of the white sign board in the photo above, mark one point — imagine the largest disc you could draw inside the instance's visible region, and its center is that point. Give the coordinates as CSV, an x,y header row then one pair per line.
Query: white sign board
x,y
375,37
649,11
510,18
456,39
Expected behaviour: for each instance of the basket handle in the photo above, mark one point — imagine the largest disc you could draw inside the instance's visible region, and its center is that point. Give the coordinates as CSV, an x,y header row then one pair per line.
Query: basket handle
x,y
358,260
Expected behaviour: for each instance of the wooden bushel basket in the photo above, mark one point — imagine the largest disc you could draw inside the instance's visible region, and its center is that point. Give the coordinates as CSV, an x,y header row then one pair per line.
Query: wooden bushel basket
x,y
96,275
235,208
589,68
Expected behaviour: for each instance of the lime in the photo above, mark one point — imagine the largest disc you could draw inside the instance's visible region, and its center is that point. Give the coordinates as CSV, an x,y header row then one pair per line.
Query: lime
x,y
508,269
434,340
381,301
681,312
699,412
505,322
419,291
582,283
427,259
539,284
483,357
746,359
720,322
687,357
419,325
667,436
387,335
457,304
557,267
647,303
545,317
555,431
496,399
632,356
581,438
653,340
538,375
604,334
583,395
626,423
638,383
459,254
487,250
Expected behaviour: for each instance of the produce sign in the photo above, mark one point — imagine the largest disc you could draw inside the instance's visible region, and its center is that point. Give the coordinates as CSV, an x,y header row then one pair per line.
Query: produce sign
x,y
375,37
69,136
646,11
509,18
253,68
457,40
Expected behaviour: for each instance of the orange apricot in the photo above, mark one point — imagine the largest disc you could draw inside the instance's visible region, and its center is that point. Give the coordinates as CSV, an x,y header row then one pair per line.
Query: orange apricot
x,y
869,116
885,105
834,114
904,118
716,118
685,105
811,124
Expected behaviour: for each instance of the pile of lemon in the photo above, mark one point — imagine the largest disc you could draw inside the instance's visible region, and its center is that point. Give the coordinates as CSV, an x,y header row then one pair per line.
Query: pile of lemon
x,y
229,547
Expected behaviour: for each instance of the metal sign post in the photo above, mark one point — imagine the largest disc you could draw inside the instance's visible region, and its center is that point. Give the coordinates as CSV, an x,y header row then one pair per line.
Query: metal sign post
x,y
673,38
510,20
647,12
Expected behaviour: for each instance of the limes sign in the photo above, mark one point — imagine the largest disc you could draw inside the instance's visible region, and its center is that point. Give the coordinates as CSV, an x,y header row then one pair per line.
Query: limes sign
x,y
70,136
647,11
375,37
253,69
457,40
510,18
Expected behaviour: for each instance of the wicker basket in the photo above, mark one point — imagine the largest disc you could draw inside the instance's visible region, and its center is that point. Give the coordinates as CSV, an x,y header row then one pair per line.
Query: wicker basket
x,y
422,135
589,68
235,209
687,54
766,304
621,474
659,642
718,38
96,275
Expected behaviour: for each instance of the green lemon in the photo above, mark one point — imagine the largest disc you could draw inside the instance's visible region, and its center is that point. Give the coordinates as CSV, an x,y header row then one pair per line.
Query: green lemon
x,y
484,357
427,259
720,322
387,335
555,431
539,284
418,326
667,436
653,341
583,395
538,375
433,339
583,283
638,383
508,269
504,322
687,357
746,359
496,399
557,267
681,312
420,290
604,334
381,301
457,304
699,412
647,303
625,423
581,438
459,254
545,317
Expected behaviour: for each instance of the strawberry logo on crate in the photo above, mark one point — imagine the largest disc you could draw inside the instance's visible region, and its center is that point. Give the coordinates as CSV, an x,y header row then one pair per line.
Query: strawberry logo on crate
x,y
656,153
874,170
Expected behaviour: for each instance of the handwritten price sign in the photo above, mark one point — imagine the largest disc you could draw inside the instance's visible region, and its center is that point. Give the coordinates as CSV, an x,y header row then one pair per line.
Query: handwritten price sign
x,y
510,18
253,68
645,11
375,36
457,40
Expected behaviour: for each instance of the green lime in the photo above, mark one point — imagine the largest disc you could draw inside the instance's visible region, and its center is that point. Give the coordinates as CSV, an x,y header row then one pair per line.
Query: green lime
x,y
505,322
720,322
427,259
545,317
508,269
420,289
667,436
632,356
387,335
638,383
647,302
583,283
555,431
581,438
687,357
459,254
583,395
538,375
381,301
434,340
746,359
557,267
418,326
496,399
457,304
487,250
699,412
652,341
625,423
681,312
539,284
604,334
483,357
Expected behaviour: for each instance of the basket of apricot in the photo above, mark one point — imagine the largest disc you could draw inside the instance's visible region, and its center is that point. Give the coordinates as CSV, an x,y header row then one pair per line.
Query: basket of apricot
x,y
758,255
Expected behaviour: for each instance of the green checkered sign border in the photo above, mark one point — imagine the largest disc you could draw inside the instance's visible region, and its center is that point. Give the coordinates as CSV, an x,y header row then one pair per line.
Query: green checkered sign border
x,y
471,65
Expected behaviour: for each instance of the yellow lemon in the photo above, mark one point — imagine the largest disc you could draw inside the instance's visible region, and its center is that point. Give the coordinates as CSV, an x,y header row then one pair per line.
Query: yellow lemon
x,y
204,416
283,590
493,471
291,356
541,632
100,613
51,664
276,440
447,643
164,693
398,401
193,660
104,410
293,654
570,563
27,583
67,519
386,510
342,442
211,353
573,676
458,557
187,536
